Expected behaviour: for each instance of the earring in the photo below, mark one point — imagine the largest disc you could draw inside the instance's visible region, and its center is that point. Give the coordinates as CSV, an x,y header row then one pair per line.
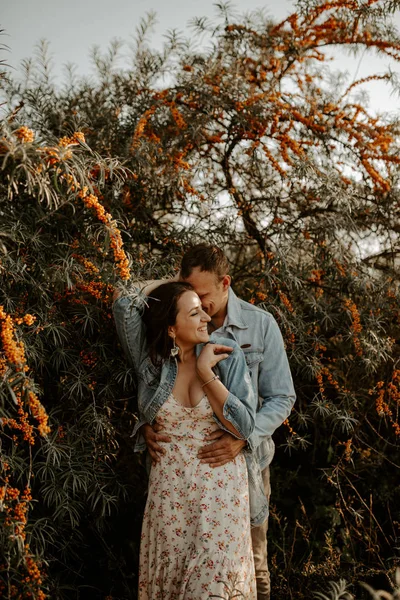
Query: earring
x,y
175,349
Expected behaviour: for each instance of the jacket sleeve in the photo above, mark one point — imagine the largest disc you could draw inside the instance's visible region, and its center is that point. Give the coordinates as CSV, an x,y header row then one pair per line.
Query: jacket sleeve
x,y
275,385
130,328
240,405
132,335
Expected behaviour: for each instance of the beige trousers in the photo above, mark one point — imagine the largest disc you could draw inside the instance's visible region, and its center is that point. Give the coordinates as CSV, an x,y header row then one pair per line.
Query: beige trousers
x,y
259,540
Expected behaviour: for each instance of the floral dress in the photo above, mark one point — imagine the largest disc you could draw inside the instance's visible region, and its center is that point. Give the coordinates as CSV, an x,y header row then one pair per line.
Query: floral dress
x,y
195,540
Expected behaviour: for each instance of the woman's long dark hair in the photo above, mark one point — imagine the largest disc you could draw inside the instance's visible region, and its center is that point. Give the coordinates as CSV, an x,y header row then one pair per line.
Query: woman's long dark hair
x,y
159,314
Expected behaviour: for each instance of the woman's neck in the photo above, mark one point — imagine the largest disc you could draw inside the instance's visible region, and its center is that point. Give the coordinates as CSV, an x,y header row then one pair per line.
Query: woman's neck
x,y
187,354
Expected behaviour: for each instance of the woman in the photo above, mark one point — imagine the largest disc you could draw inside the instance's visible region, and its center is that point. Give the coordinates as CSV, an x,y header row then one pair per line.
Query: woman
x,y
196,530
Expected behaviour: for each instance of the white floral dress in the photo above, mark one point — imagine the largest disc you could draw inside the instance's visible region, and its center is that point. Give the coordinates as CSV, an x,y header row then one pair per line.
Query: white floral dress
x,y
195,540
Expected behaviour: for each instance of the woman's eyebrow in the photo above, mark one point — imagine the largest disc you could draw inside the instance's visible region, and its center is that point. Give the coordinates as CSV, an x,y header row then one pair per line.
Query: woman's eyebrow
x,y
195,308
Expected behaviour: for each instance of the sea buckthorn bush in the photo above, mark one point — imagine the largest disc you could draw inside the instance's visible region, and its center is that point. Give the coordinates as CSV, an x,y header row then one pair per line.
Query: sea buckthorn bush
x,y
251,144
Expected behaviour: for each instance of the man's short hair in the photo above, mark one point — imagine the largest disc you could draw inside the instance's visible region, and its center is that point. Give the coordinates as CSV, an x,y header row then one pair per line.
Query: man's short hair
x,y
207,258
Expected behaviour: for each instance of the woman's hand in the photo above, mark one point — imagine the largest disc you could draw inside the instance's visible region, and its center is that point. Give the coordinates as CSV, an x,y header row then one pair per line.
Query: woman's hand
x,y
210,356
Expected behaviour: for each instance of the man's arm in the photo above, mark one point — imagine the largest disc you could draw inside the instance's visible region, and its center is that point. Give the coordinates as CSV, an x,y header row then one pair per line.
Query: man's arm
x,y
275,385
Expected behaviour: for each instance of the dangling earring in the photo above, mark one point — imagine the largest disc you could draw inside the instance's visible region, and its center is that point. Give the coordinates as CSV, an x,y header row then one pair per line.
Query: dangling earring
x,y
175,349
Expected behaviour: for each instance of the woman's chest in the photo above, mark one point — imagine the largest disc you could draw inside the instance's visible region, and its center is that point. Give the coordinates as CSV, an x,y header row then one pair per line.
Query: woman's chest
x,y
187,389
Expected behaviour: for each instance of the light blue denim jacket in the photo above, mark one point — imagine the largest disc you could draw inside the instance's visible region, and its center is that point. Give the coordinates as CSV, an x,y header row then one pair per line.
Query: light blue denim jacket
x,y
258,334
156,383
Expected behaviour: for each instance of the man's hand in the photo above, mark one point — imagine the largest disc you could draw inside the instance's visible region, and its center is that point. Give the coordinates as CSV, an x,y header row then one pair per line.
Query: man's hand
x,y
223,449
152,436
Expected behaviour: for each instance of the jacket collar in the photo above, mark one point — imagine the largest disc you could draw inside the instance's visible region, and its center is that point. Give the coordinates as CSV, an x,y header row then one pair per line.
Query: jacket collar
x,y
234,314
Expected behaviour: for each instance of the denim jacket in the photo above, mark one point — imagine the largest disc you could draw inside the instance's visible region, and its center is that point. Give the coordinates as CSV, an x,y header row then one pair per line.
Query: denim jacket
x,y
155,384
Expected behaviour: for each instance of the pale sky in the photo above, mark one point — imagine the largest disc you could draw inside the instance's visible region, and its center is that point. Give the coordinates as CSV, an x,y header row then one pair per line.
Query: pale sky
x,y
72,27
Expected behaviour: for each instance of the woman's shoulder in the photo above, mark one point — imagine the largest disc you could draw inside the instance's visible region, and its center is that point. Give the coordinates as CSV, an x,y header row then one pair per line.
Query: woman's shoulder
x,y
224,341
227,342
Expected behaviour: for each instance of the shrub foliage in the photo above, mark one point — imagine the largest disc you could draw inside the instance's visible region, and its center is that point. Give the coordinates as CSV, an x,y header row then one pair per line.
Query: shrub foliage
x,y
247,141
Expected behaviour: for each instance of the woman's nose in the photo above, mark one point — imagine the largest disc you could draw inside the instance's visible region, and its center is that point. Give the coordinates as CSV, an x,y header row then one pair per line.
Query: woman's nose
x,y
205,316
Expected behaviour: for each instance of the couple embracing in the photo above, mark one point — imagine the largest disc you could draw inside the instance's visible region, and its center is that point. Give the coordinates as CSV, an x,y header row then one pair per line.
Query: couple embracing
x,y
213,385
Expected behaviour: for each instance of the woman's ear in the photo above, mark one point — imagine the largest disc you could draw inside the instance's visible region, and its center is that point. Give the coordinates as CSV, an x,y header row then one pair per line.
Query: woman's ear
x,y
171,332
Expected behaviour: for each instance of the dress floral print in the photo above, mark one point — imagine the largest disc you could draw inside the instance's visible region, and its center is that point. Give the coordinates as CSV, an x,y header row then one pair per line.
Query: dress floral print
x,y
196,530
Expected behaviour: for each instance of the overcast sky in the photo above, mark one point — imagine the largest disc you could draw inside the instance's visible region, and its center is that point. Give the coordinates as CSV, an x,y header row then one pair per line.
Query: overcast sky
x,y
72,27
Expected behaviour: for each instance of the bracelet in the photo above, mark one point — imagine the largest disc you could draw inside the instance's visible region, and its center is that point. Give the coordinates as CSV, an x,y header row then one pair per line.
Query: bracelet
x,y
210,380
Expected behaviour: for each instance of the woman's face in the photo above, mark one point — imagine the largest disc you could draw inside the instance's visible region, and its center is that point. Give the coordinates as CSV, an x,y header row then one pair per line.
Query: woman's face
x,y
191,321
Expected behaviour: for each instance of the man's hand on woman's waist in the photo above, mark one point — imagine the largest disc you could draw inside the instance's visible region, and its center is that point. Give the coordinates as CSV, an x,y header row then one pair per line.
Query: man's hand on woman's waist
x,y
224,448
152,436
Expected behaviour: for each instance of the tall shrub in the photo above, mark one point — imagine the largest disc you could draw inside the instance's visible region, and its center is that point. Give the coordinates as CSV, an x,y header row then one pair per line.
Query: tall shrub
x,y
252,144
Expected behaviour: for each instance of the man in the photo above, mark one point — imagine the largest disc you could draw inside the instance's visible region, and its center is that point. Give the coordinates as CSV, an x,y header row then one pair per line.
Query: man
x,y
258,334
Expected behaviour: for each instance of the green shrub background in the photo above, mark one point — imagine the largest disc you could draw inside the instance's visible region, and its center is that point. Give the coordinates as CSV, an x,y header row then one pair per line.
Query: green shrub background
x,y
252,146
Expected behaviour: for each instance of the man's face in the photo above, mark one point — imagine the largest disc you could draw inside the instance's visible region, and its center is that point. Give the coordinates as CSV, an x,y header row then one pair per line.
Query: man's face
x,y
212,292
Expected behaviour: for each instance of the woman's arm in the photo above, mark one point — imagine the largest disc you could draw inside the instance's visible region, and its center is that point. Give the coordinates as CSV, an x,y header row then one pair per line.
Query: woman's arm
x,y
131,332
234,407
130,328
127,314
145,286
149,286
